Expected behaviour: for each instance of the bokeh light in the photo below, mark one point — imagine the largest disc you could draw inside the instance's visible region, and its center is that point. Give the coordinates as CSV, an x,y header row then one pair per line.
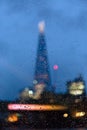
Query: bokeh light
x,y
55,67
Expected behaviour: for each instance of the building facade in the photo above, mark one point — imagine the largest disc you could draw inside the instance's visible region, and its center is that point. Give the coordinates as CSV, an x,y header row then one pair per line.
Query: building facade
x,y
77,87
42,70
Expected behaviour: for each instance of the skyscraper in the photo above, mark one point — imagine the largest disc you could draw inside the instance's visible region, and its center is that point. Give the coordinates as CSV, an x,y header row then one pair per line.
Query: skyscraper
x,y
42,71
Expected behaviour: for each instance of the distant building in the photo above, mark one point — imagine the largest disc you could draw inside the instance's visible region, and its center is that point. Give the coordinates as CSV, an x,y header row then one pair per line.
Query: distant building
x,y
26,94
42,78
42,71
76,87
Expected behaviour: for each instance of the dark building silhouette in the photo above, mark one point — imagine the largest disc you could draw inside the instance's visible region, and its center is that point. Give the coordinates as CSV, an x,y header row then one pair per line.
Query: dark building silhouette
x,y
42,71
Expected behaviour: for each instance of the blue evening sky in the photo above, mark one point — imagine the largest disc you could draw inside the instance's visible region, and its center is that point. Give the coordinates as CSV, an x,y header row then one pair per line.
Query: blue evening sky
x,y
66,38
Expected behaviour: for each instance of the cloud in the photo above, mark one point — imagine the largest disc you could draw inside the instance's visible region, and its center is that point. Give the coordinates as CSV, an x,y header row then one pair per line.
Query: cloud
x,y
24,6
68,15
65,14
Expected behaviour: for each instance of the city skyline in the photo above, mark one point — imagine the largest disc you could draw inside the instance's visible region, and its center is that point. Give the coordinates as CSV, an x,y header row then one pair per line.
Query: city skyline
x,y
66,38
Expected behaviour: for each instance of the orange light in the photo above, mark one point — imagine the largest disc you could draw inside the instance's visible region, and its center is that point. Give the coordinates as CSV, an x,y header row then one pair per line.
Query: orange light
x,y
12,118
35,107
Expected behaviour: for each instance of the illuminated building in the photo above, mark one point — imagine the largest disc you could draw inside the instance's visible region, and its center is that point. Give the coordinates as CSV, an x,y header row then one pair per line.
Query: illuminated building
x,y
42,72
76,87
26,94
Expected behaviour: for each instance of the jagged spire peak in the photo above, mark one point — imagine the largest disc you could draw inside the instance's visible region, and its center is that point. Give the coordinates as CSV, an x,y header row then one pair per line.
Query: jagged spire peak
x,y
41,26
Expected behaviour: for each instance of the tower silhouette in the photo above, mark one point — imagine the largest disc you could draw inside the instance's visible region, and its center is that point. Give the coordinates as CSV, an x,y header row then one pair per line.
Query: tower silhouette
x,y
42,72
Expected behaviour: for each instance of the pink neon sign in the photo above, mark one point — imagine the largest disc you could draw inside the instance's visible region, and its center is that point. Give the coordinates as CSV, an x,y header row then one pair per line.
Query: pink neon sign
x,y
35,107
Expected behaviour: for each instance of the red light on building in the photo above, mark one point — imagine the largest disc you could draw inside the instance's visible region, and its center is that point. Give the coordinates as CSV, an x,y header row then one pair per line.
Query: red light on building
x,y
55,67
